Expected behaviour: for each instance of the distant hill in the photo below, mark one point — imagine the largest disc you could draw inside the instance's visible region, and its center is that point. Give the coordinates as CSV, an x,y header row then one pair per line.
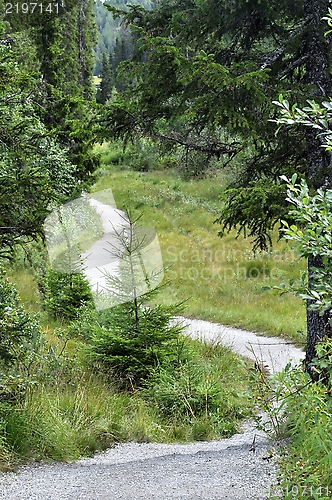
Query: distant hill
x,y
109,30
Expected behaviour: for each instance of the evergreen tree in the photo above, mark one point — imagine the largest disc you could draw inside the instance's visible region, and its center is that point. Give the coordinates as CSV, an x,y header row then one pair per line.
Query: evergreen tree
x,y
64,47
130,339
109,28
46,133
211,69
123,51
87,37
107,80
35,172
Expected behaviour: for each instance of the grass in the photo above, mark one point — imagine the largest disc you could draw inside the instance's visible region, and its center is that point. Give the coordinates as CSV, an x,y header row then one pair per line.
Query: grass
x,y
64,423
77,413
204,396
68,411
304,415
27,286
221,278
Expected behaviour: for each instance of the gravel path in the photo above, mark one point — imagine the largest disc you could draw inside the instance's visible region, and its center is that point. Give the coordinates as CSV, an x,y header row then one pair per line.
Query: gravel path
x,y
272,352
239,468
211,471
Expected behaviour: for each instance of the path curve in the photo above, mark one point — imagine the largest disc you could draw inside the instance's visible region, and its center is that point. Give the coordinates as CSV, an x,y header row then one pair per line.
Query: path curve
x,y
274,353
99,259
215,470
238,468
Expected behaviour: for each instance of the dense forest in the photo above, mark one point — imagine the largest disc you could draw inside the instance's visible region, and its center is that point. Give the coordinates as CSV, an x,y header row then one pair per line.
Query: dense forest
x,y
195,88
47,100
112,37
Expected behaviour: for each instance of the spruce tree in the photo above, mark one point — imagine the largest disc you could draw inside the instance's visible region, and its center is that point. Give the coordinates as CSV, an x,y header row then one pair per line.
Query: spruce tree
x,y
63,44
87,38
107,80
109,28
214,68
65,51
35,172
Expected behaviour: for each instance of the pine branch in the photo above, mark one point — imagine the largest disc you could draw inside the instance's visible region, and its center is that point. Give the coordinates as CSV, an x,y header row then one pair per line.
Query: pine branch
x,y
293,66
213,149
274,55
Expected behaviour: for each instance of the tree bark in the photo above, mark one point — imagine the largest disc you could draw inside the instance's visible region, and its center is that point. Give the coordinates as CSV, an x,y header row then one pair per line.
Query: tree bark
x,y
316,48
319,165
318,327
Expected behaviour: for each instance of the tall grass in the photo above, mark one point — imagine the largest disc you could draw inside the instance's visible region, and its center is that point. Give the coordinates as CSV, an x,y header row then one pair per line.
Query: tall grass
x,y
79,413
66,422
26,284
203,393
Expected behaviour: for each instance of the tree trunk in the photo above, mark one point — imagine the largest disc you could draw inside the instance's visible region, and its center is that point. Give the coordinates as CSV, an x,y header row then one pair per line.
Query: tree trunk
x,y
319,164
87,31
318,327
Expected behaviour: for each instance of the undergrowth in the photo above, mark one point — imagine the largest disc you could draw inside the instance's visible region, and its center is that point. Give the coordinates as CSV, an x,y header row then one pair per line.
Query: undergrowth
x,y
299,413
76,413
70,410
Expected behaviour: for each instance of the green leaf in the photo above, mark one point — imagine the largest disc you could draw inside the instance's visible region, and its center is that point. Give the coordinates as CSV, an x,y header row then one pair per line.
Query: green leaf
x,y
294,177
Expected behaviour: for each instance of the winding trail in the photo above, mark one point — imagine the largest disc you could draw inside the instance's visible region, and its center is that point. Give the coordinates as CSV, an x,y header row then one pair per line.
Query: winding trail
x,y
238,468
274,353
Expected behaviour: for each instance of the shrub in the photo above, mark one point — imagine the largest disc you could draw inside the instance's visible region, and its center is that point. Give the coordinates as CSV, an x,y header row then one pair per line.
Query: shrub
x,y
64,295
199,387
306,463
144,156
19,339
17,327
194,165
128,349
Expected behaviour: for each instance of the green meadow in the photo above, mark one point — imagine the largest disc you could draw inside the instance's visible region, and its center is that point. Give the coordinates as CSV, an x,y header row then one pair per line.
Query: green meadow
x,y
221,279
